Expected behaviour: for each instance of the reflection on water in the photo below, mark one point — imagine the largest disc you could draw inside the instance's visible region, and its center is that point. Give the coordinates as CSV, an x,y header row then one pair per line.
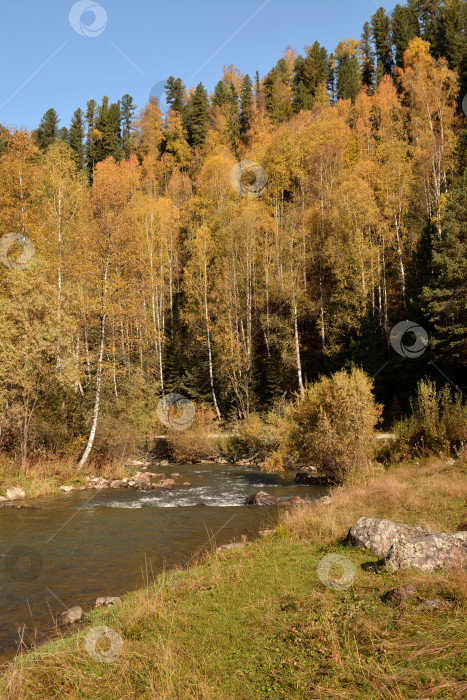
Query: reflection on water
x,y
94,543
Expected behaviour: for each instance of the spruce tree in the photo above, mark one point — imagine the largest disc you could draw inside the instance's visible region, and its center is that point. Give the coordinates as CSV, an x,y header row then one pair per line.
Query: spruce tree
x,y
175,93
107,130
404,28
368,57
257,86
76,137
63,134
315,68
445,296
198,117
452,32
349,79
47,131
222,95
381,31
233,121
127,109
309,72
246,106
91,114
428,12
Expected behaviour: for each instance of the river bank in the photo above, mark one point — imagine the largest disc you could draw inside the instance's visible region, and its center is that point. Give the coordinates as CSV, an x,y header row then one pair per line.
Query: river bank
x,y
257,621
74,547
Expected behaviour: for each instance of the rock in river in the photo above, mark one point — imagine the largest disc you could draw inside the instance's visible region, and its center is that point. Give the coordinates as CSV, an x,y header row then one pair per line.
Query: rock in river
x,y
73,614
15,492
261,498
164,484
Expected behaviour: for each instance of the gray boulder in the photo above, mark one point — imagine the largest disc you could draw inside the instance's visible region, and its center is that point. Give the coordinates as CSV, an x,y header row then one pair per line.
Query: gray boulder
x,y
261,498
164,484
230,545
428,552
15,492
107,600
73,614
378,535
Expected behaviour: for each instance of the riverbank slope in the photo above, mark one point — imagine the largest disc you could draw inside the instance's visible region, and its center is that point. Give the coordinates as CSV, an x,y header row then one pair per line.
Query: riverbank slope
x,y
257,621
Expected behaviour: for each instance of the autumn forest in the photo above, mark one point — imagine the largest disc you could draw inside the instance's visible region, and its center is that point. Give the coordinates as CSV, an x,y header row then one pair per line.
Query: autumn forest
x,y
238,244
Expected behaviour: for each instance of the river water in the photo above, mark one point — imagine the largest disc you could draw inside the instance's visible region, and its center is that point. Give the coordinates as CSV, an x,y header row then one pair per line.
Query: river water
x,y
77,546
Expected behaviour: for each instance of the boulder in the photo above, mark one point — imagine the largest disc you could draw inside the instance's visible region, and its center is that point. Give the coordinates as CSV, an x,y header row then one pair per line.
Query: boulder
x,y
186,483
72,615
138,463
265,533
3,498
15,492
66,488
164,463
311,478
98,482
164,484
106,600
261,498
118,484
141,478
324,499
428,552
293,501
230,545
175,475
435,604
399,595
378,535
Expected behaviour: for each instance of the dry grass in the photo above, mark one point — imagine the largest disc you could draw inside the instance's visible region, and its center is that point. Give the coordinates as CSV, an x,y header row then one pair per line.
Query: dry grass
x,y
44,476
257,622
429,493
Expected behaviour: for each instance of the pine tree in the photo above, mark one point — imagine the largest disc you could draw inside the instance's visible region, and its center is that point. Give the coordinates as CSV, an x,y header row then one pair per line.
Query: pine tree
x,y
368,57
127,108
47,131
428,12
278,92
76,137
452,32
175,93
404,28
381,31
107,131
257,87
445,295
91,114
198,117
246,107
63,134
349,77
309,73
222,95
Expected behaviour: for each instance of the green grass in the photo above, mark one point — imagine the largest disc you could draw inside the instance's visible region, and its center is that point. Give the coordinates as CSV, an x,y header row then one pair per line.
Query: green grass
x,y
256,622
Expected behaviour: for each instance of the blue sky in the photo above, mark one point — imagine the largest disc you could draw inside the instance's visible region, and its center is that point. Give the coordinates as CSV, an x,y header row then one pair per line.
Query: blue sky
x,y
47,63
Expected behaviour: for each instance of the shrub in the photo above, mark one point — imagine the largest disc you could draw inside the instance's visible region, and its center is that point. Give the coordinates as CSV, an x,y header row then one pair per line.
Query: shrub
x,y
196,442
332,427
254,437
438,420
